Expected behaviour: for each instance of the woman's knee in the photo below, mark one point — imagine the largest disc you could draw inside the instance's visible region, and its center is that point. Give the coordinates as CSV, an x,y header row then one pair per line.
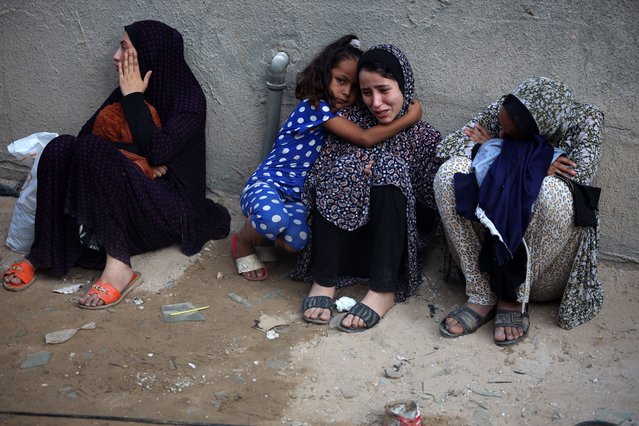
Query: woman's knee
x,y
554,201
454,165
446,172
58,150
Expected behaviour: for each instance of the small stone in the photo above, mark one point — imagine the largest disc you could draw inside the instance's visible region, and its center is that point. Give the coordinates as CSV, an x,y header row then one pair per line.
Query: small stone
x,y
273,295
239,299
68,392
219,275
190,364
391,373
276,364
348,393
440,373
36,359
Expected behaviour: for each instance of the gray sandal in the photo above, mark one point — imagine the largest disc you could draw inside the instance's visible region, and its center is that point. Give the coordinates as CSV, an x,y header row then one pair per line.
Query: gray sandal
x,y
515,319
467,318
323,302
369,316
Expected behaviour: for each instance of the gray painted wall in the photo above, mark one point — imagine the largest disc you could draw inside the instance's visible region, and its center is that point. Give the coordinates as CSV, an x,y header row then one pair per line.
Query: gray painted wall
x,y
57,68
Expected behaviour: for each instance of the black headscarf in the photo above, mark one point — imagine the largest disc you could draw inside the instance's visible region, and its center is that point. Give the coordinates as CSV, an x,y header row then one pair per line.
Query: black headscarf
x,y
521,116
181,142
380,55
173,88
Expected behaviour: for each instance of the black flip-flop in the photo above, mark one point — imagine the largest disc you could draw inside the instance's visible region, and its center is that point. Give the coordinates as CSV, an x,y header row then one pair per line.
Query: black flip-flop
x,y
517,319
323,302
369,316
467,318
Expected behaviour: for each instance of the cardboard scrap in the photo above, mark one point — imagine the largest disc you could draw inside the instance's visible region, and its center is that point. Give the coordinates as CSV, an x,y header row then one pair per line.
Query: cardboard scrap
x,y
266,322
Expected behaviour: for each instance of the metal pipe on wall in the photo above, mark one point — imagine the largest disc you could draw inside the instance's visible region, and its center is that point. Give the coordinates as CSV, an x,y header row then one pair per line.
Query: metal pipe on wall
x,y
275,83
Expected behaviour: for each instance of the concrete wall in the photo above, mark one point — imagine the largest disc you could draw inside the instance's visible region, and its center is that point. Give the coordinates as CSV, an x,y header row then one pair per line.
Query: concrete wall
x,y
57,67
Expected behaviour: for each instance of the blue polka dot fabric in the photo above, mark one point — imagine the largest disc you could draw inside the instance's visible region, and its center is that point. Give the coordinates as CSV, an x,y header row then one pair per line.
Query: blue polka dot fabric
x,y
273,216
296,146
271,197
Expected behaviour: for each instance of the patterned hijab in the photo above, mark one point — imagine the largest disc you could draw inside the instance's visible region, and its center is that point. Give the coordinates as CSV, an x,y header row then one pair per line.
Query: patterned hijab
x,y
360,113
173,88
550,102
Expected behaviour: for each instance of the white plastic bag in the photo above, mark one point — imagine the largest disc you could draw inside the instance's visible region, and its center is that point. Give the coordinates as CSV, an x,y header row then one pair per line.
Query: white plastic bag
x,y
21,229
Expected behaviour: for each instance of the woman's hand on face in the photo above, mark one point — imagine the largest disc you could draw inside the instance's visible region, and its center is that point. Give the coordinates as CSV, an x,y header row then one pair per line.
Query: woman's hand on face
x,y
130,79
159,171
477,134
562,166
414,112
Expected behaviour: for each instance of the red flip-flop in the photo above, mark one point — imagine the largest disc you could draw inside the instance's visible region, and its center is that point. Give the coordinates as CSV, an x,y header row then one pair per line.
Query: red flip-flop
x,y
109,294
22,270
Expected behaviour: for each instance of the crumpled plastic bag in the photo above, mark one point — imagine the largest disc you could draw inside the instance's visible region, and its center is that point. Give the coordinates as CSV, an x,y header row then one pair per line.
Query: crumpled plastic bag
x,y
21,230
62,336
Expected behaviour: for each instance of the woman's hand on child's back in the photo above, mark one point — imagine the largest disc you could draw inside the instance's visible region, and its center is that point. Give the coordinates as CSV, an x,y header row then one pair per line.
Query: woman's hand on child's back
x,y
477,134
130,78
562,166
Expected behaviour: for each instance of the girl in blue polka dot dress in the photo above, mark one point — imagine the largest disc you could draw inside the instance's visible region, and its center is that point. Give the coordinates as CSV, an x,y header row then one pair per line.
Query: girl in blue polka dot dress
x,y
271,198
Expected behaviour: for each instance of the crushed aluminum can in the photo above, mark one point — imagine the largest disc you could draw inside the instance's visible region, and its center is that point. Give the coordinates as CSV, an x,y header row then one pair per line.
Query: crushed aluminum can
x,y
402,413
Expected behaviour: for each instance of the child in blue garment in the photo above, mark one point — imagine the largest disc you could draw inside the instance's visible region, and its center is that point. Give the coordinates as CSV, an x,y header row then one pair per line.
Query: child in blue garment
x,y
271,198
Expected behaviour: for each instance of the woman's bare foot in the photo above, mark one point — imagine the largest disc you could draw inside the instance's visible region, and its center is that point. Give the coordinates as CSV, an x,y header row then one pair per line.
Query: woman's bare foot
x,y
117,273
13,279
379,302
455,327
320,313
508,333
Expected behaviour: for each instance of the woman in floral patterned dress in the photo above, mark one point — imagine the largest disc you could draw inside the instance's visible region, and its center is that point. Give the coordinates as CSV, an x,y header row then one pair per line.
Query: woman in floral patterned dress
x,y
562,257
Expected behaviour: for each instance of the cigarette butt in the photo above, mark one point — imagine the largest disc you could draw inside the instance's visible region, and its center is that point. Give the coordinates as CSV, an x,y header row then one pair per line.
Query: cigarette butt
x,y
189,311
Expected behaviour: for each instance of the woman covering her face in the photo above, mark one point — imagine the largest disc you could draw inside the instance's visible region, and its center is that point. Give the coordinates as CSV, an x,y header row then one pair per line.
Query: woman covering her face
x,y
560,252
364,201
87,180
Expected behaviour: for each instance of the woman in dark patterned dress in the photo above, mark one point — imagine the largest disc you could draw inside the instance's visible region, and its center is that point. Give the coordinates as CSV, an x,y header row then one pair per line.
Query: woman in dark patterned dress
x,y
86,180
363,202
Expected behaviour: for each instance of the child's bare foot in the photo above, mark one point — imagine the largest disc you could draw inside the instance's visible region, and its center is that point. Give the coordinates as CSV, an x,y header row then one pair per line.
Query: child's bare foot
x,y
244,248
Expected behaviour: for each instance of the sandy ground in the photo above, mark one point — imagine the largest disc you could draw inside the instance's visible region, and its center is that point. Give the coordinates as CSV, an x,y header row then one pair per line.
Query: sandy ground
x,y
225,370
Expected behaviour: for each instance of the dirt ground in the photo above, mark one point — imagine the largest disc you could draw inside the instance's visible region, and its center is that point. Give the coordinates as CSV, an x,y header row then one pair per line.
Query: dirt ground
x,y
224,370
